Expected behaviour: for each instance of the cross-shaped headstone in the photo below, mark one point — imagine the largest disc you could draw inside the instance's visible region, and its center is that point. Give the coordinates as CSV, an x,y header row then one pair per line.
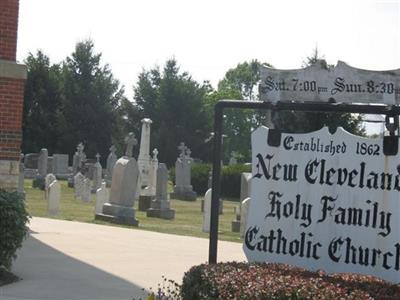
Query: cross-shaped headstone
x,y
155,153
188,152
80,148
113,149
130,141
182,149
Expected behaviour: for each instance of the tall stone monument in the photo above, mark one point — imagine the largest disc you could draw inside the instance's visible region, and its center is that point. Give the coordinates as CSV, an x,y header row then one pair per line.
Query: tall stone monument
x,y
111,160
97,174
160,206
183,189
144,153
120,208
78,160
38,182
149,191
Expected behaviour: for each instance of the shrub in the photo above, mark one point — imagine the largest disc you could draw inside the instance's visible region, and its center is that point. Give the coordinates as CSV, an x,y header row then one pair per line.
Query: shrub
x,y
230,179
279,281
13,229
200,175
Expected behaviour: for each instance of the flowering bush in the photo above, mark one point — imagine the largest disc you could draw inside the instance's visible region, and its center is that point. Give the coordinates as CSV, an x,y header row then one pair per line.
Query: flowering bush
x,y
279,281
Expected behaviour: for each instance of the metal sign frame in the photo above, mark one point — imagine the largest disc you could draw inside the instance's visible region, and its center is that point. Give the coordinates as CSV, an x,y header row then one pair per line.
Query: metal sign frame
x,y
390,143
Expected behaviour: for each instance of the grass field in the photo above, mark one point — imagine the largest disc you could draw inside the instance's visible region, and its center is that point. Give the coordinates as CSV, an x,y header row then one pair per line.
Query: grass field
x,y
188,217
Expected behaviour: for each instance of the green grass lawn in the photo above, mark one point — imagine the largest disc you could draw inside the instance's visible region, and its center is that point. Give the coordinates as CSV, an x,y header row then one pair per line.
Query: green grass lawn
x,y
188,217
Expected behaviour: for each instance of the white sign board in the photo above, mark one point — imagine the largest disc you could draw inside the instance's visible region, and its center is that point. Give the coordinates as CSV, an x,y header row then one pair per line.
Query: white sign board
x,y
323,201
319,83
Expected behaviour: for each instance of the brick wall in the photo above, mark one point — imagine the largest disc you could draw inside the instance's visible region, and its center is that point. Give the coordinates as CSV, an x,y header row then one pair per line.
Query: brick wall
x,y
8,29
12,79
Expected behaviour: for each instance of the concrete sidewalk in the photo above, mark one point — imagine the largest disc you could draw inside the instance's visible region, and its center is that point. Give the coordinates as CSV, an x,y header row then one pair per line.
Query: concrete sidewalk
x,y
70,260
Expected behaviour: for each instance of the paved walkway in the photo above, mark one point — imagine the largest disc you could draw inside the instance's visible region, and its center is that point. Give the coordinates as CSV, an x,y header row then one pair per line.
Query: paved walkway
x,y
70,260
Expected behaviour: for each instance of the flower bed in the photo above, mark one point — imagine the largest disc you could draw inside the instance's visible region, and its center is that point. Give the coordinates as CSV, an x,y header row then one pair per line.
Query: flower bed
x,y
279,281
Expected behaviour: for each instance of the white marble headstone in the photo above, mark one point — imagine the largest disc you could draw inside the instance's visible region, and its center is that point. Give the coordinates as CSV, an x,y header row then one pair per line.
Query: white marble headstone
x,y
78,184
53,200
244,211
102,196
207,211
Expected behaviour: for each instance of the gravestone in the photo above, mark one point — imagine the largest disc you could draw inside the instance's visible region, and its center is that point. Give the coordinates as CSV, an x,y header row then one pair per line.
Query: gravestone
x,y
49,164
144,152
244,211
60,166
207,211
97,174
150,190
86,190
38,182
245,190
183,189
111,160
47,181
102,197
21,178
221,202
31,160
232,159
120,208
78,184
160,206
53,199
78,160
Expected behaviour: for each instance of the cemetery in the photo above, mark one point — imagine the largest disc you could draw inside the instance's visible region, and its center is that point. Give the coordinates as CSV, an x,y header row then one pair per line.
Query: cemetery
x,y
274,179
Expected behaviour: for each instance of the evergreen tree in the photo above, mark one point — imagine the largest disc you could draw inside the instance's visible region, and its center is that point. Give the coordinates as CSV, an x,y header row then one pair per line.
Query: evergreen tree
x,y
92,99
175,103
42,116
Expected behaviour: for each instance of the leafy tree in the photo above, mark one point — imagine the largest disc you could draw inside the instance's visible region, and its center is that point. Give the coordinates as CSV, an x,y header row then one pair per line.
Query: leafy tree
x,y
239,83
92,99
42,116
175,103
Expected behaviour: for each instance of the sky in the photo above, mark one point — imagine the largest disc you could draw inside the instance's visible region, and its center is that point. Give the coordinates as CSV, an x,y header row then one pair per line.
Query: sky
x,y
209,37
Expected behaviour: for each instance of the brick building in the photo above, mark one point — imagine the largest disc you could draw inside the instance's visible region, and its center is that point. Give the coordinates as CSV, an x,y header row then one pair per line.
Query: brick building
x,y
12,79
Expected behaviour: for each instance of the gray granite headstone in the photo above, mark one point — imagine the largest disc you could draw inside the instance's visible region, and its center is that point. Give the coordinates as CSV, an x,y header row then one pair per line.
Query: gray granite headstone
x,y
60,166
160,206
183,189
49,164
78,160
31,160
245,192
42,169
111,160
97,174
120,208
